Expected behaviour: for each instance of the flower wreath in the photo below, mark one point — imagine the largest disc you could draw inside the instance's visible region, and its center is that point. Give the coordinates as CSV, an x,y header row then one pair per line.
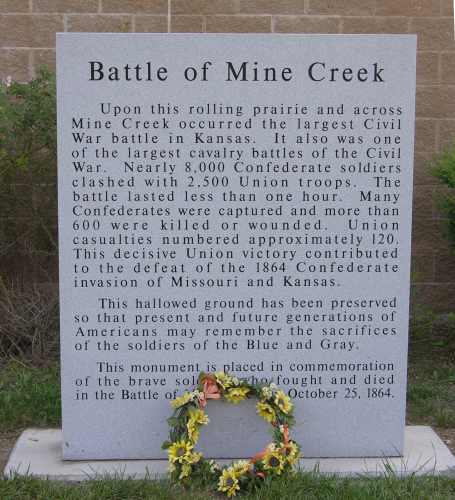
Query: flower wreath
x,y
273,405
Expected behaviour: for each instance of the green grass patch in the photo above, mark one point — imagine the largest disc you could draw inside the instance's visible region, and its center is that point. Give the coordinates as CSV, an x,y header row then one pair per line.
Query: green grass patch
x,y
29,396
299,486
431,395
431,371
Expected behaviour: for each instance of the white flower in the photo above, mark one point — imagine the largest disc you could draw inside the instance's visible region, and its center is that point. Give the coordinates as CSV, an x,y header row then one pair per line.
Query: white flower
x,y
267,392
214,467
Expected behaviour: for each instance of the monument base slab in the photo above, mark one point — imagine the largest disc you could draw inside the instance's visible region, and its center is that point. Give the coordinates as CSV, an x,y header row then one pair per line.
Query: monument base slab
x,y
38,452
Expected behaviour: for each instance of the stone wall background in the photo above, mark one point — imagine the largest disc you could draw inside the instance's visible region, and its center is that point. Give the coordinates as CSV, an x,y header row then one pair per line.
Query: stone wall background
x,y
27,40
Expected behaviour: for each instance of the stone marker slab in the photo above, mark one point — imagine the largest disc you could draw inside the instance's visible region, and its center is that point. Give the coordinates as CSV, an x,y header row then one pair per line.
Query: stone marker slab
x,y
38,452
239,203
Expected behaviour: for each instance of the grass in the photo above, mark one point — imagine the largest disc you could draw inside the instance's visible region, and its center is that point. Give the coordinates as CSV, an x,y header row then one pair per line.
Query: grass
x,y
431,395
431,373
30,396
301,486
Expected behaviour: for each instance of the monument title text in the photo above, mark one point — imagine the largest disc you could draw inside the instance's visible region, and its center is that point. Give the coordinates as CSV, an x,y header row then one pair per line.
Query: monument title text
x,y
246,71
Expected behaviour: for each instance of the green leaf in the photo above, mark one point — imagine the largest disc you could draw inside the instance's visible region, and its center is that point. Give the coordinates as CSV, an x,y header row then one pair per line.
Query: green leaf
x,y
172,421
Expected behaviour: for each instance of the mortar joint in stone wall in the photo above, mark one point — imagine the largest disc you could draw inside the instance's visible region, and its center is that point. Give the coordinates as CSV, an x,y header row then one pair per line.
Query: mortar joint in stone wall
x,y
169,12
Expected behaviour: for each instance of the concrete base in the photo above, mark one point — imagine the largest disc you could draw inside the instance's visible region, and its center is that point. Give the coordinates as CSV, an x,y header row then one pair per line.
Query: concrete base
x,y
39,453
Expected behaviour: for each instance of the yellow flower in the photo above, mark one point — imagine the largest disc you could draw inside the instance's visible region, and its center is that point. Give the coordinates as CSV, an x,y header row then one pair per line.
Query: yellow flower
x,y
266,412
198,417
237,394
274,461
193,458
283,402
228,482
241,467
224,380
182,400
186,471
290,452
193,431
179,451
